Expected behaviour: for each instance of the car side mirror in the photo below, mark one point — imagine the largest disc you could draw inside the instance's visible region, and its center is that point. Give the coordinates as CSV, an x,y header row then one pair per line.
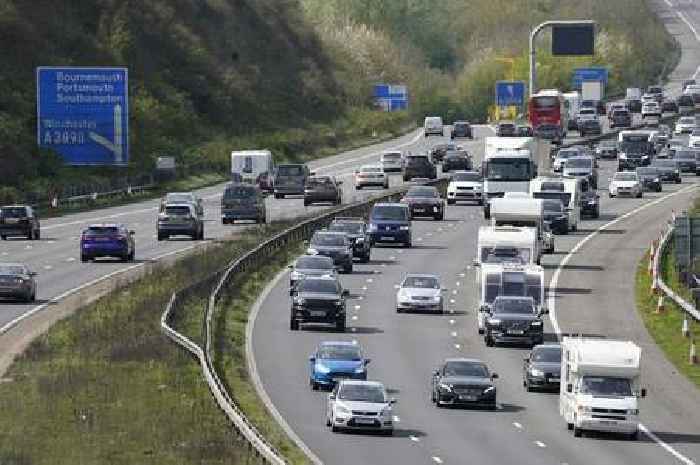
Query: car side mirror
x,y
346,292
291,291
331,396
569,388
312,359
367,360
313,173
643,393
291,267
340,182
33,273
392,400
436,372
494,375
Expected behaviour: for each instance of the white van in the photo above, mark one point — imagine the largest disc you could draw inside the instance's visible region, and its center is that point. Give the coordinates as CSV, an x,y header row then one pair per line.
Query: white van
x,y
574,101
565,189
433,125
253,167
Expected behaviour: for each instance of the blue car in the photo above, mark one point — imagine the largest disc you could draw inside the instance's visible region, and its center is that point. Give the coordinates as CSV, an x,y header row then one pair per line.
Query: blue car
x,y
334,360
390,223
107,240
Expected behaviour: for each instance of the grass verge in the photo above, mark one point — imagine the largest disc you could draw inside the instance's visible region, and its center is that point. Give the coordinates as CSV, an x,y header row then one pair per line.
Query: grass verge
x,y
665,328
230,352
106,386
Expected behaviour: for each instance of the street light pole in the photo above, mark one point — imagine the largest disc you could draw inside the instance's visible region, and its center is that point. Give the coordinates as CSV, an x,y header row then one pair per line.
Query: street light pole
x,y
533,37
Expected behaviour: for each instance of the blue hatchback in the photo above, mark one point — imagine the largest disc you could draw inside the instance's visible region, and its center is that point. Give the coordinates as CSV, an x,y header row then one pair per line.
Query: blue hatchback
x,y
334,360
390,223
107,240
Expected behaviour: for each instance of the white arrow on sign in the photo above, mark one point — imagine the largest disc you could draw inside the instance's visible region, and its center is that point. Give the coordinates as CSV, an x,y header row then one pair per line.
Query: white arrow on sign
x,y
116,146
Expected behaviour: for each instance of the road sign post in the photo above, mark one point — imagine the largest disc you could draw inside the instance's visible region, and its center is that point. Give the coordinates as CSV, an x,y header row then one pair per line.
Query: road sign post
x,y
83,114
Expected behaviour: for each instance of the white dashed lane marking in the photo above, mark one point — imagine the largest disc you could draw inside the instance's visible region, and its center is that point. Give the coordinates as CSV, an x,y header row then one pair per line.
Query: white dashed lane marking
x,y
457,346
437,460
453,334
517,425
414,438
70,259
48,267
452,322
357,307
540,444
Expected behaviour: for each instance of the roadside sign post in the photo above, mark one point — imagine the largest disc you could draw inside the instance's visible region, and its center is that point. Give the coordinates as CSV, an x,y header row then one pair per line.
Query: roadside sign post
x,y
83,114
569,38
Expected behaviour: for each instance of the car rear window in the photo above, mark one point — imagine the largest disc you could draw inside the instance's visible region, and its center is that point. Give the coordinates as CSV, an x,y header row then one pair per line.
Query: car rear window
x,y
318,182
177,210
320,286
290,170
239,192
314,263
390,213
102,231
13,212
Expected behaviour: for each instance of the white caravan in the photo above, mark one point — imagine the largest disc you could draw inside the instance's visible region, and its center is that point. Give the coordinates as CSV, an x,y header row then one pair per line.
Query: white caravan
x,y
600,385
523,212
507,244
253,167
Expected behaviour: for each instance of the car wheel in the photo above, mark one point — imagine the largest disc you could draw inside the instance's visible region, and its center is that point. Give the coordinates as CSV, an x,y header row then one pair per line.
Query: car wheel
x,y
84,258
640,195
314,385
358,187
406,179
386,185
279,196
30,235
366,257
334,428
328,421
201,234
451,202
634,436
596,214
4,238
293,324
489,341
439,217
162,237
388,432
407,245
130,257
306,203
340,325
610,195
578,432
678,181
37,236
569,426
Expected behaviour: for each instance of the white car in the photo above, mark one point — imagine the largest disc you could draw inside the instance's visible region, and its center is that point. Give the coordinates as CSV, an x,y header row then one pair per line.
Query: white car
x,y
391,161
360,405
465,185
371,175
625,183
694,139
648,98
651,109
586,114
684,125
433,125
563,155
420,292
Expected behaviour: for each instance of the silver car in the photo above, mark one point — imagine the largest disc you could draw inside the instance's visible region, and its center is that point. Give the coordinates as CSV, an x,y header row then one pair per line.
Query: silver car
x,y
17,282
391,161
360,405
420,292
311,265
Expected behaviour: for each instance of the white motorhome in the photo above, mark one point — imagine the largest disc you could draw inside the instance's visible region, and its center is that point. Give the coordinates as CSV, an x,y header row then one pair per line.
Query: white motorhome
x,y
574,99
523,212
507,244
600,385
510,163
565,189
511,280
253,167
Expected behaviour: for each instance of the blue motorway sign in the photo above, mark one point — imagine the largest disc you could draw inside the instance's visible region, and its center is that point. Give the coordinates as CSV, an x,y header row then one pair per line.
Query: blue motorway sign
x,y
589,74
510,93
391,97
83,114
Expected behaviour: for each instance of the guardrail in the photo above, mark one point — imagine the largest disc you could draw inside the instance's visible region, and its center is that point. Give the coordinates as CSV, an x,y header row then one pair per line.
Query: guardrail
x,y
657,280
219,286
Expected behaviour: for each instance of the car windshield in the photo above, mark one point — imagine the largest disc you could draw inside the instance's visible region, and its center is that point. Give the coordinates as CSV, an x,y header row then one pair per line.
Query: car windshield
x,y
319,286
290,170
12,270
329,240
434,120
666,163
314,263
239,192
13,212
563,154
390,213
350,228
546,355
423,192
464,177
339,352
455,155
553,206
416,161
587,111
686,120
370,169
579,163
685,154
319,182
563,197
608,144
464,368
545,102
625,177
505,255
518,306
391,156
509,169
362,393
421,282
102,231
177,210
175,197
606,386
647,171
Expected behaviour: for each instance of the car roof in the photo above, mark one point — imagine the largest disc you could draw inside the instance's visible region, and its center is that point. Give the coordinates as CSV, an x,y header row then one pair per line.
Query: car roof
x,y
322,257
464,359
105,225
347,219
390,204
377,167
421,275
339,343
24,265
517,297
356,382
179,204
14,206
321,278
330,233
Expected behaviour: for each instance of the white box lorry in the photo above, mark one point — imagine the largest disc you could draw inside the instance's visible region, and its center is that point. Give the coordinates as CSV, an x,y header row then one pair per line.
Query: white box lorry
x,y
592,90
600,385
574,101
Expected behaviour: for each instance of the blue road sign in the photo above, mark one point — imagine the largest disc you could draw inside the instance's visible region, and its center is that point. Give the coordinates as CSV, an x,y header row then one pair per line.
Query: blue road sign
x,y
510,93
83,114
391,97
589,74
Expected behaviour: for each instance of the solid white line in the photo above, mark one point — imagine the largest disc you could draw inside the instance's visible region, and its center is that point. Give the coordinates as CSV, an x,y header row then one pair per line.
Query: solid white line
x,y
689,24
437,460
668,2
668,448
414,438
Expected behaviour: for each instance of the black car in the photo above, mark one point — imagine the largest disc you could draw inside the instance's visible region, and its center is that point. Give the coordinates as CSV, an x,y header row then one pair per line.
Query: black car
x,y
318,300
418,166
425,201
555,216
456,161
356,230
668,169
669,106
505,130
513,320
634,152
243,202
649,178
620,119
289,179
461,129
437,153
464,381
590,200
19,220
634,105
589,126
524,131
542,368
550,132
335,245
323,189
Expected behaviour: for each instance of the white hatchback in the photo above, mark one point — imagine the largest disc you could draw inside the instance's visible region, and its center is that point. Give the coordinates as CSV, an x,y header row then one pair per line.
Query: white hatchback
x,y
360,405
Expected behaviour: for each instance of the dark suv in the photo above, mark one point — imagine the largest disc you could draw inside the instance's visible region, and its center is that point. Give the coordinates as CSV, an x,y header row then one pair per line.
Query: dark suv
x,y
323,189
425,201
390,222
243,202
290,179
514,320
356,230
620,119
318,300
19,220
461,129
419,166
456,161
335,245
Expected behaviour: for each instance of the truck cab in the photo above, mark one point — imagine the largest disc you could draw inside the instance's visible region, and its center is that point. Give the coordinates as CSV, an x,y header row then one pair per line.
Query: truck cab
x,y
600,386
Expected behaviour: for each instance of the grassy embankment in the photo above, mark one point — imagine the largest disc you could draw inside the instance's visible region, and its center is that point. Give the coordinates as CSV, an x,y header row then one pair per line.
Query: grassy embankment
x,y
106,386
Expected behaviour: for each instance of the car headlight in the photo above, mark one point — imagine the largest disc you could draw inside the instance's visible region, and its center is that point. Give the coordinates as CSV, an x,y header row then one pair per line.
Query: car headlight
x,y
489,390
372,227
322,368
360,240
386,411
300,301
656,180
584,409
445,387
404,228
536,323
494,321
296,275
342,410
645,156
338,303
592,202
536,373
19,280
360,369
633,411
623,156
